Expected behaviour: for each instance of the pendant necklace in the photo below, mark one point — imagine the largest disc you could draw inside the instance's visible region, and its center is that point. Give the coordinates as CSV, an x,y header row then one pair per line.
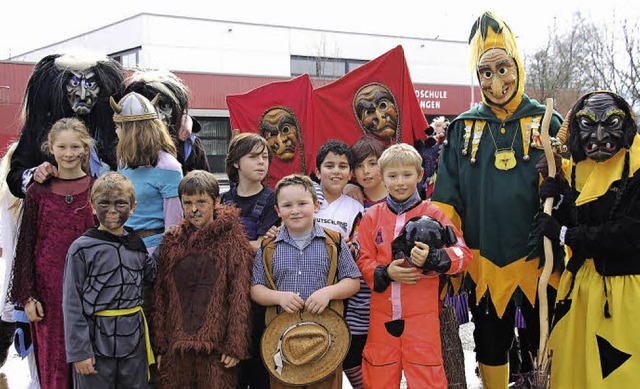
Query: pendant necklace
x,y
68,198
505,159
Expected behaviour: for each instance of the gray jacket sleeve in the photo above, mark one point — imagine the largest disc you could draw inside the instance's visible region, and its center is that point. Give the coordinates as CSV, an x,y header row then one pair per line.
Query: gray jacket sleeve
x,y
76,328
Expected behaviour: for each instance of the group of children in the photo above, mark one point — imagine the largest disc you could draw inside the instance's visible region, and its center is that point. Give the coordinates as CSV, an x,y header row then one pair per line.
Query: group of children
x,y
201,321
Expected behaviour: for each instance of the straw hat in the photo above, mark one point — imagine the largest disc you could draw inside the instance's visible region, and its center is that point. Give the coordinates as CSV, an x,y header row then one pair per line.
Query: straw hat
x,y
303,348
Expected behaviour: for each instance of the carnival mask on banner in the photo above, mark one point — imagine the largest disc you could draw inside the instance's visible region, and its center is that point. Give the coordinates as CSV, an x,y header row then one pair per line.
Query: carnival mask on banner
x,y
82,91
601,126
377,99
279,126
376,110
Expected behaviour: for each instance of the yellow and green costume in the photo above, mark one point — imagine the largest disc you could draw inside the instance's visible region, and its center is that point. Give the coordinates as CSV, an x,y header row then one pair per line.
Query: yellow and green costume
x,y
494,203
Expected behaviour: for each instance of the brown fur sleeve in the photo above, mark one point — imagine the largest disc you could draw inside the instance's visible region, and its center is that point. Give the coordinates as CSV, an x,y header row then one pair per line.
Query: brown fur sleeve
x,y
160,302
240,262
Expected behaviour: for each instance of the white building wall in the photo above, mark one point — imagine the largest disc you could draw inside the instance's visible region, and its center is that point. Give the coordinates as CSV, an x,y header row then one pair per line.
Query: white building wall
x,y
211,46
113,38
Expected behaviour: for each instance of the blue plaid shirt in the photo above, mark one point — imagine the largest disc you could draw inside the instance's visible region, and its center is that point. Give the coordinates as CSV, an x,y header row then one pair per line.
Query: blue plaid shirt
x,y
305,270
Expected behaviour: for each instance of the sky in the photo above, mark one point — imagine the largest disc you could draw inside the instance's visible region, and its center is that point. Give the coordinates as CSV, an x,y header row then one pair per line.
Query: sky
x,y
29,24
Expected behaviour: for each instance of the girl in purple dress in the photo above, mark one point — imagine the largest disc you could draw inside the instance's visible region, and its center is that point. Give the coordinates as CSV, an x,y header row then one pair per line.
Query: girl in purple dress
x,y
56,212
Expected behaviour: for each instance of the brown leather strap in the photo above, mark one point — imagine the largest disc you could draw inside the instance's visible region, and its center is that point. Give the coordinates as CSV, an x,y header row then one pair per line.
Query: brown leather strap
x,y
148,233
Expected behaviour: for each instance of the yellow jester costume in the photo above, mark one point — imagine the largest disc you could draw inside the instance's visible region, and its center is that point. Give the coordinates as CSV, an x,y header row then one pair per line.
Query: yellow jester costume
x,y
594,340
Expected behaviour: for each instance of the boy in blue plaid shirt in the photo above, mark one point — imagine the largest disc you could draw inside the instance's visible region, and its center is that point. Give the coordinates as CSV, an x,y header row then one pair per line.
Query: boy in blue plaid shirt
x,y
301,262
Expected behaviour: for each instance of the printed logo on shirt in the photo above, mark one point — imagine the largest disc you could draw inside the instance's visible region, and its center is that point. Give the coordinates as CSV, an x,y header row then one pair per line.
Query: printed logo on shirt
x,y
379,239
343,225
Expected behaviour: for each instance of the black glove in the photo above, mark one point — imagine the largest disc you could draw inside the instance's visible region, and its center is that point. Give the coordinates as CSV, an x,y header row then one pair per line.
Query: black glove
x,y
381,280
437,260
543,167
548,226
551,187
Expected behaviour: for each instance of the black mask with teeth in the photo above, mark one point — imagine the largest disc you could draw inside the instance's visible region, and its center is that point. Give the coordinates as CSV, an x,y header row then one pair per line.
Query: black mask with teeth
x,y
601,125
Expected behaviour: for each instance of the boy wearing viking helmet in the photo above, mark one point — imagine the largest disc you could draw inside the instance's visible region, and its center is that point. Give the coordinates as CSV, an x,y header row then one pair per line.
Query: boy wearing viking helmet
x,y
488,185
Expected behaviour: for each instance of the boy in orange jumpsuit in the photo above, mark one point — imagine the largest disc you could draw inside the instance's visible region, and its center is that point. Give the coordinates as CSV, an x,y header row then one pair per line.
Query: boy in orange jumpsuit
x,y
404,332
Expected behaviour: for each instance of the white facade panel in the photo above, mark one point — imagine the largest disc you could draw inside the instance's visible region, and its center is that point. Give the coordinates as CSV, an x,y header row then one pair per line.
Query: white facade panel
x,y
113,38
212,46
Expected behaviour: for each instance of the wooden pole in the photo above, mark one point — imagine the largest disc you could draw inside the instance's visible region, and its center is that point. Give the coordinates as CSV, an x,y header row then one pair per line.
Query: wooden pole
x,y
548,248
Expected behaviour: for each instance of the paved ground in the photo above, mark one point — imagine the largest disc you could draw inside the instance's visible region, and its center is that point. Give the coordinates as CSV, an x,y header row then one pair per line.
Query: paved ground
x,y
17,370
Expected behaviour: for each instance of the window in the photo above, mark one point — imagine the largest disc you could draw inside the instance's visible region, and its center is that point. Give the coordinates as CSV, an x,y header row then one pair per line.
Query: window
x,y
322,66
215,133
129,59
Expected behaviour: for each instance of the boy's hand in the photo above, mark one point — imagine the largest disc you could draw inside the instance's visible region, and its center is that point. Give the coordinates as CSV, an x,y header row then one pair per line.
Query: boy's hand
x,y
228,361
290,302
353,248
34,310
85,367
272,233
354,192
158,360
318,301
419,254
399,273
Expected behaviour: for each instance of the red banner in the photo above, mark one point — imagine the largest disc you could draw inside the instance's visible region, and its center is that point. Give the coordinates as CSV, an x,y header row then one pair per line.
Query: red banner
x,y
377,98
282,112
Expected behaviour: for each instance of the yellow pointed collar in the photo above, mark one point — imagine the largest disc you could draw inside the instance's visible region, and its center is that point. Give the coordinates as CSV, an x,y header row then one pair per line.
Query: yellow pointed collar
x,y
593,179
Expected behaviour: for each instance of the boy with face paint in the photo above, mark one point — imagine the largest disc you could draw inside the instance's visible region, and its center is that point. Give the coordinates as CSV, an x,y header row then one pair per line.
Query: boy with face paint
x,y
106,333
202,290
597,215
488,185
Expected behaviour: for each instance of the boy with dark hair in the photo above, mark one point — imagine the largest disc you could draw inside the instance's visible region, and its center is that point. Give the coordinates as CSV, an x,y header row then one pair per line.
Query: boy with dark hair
x,y
106,333
247,163
202,289
300,263
341,213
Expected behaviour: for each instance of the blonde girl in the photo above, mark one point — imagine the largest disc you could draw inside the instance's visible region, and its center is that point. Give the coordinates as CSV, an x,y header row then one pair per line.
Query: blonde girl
x,y
147,156
56,213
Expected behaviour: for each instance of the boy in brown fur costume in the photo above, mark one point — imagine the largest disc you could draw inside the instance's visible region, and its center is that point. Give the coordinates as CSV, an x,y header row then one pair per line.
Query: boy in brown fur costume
x,y
202,291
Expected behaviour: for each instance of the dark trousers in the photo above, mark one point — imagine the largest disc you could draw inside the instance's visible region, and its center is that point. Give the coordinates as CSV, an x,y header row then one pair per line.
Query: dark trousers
x,y
253,374
494,336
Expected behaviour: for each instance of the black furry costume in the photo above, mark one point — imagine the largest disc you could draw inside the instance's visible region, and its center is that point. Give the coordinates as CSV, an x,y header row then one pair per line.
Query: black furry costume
x,y
45,102
174,96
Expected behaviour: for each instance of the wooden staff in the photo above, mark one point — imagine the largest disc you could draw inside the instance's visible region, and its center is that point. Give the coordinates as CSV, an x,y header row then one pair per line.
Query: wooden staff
x,y
548,248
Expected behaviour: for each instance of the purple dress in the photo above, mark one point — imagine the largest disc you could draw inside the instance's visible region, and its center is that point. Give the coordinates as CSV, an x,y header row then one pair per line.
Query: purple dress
x,y
55,214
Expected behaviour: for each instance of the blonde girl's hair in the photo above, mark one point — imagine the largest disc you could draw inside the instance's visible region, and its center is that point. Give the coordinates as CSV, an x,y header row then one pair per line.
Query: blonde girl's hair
x,y
140,142
400,154
80,130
